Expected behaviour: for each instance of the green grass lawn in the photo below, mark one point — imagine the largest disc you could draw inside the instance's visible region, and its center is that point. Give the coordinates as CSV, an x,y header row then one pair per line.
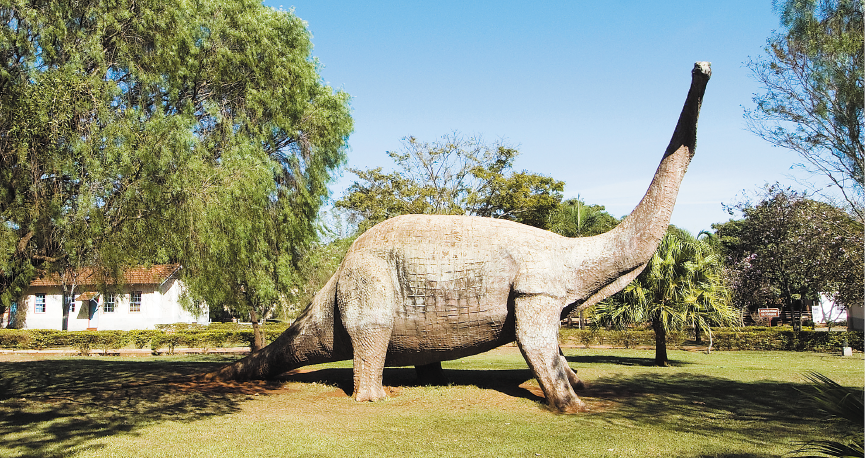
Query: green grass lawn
x,y
727,404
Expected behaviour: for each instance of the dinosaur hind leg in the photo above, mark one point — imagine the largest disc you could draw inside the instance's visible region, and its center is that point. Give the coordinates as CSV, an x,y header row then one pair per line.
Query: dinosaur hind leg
x,y
370,348
365,296
573,378
431,374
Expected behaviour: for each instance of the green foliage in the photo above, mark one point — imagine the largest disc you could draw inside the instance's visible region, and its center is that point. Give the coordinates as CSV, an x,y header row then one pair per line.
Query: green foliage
x,y
789,247
842,404
149,131
813,101
16,274
784,339
217,335
163,340
680,286
140,338
573,218
15,338
753,338
618,338
455,175
321,261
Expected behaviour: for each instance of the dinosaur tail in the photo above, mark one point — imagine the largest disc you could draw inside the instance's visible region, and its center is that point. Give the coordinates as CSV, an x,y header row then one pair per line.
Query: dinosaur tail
x,y
309,340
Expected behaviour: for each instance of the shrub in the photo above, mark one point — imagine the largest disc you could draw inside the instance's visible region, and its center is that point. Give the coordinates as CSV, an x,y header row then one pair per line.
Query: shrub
x,y
140,338
14,338
111,340
161,340
83,341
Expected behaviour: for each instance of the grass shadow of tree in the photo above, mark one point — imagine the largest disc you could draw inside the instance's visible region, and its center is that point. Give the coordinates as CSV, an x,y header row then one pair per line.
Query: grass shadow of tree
x,y
758,411
50,407
620,360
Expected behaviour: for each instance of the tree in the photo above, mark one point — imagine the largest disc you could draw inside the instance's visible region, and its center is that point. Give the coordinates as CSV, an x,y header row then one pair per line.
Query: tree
x,y
813,100
455,175
321,260
681,285
119,123
573,218
788,248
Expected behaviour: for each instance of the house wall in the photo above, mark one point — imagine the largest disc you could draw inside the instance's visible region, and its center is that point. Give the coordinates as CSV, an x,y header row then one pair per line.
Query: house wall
x,y
160,304
53,316
825,309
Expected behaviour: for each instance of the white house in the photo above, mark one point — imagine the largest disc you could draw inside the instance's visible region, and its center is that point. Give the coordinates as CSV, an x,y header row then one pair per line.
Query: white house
x,y
149,296
825,309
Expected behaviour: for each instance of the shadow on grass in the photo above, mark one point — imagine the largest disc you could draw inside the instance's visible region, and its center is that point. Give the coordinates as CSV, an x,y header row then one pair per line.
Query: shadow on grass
x,y
49,407
506,381
52,407
756,412
620,360
759,412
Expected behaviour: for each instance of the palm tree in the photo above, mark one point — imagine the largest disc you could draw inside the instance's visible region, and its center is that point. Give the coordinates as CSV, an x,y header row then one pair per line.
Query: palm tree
x,y
681,286
573,218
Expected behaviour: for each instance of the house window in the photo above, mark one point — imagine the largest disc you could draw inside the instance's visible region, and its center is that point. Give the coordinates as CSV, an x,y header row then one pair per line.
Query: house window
x,y
135,302
71,305
40,303
109,303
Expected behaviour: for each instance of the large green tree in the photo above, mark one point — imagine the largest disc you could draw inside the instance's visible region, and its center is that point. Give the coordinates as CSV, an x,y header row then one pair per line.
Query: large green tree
x,y
454,175
788,247
812,76
121,121
681,286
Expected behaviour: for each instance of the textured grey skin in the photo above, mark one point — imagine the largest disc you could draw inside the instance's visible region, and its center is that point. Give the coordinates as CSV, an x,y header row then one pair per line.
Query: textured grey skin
x,y
420,289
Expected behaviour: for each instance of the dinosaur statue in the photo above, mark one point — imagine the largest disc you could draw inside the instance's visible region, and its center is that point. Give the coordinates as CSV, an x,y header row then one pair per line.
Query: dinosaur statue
x,y
421,289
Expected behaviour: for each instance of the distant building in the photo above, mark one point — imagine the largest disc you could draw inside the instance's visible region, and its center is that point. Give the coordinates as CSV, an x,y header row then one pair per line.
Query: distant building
x,y
825,309
149,296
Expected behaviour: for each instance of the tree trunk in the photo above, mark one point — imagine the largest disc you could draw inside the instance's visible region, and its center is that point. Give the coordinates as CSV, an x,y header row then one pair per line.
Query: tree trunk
x,y
698,333
660,342
257,335
66,303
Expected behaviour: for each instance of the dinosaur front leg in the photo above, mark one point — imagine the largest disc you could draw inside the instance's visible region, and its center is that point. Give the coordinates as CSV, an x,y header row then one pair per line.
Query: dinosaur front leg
x,y
537,325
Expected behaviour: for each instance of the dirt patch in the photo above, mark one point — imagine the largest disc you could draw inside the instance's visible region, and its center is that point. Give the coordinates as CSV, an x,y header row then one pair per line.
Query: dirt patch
x,y
254,387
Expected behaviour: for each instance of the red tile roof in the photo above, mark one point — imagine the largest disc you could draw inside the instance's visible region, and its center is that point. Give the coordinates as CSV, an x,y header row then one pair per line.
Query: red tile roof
x,y
154,275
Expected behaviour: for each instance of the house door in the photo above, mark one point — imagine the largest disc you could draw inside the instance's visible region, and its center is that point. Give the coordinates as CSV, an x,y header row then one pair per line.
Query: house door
x,y
92,315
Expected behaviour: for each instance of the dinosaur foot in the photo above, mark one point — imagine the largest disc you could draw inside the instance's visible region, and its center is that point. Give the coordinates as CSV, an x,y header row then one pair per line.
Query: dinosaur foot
x,y
370,394
574,406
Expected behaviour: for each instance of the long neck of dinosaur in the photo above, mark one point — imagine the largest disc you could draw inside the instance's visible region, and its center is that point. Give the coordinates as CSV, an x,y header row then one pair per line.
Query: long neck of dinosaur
x,y
631,244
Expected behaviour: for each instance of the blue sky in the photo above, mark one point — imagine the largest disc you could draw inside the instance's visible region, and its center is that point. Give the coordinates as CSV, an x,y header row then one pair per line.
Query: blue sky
x,y
589,92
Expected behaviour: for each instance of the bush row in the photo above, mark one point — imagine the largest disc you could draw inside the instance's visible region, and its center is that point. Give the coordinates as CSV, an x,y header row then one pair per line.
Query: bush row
x,y
749,338
232,334
787,340
628,338
166,339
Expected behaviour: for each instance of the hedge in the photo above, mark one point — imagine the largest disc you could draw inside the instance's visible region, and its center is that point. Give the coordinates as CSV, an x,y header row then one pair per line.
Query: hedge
x,y
220,335
628,338
748,338
782,338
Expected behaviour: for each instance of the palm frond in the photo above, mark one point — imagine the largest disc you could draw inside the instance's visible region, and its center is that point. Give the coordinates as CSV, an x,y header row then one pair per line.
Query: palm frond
x,y
836,400
830,448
